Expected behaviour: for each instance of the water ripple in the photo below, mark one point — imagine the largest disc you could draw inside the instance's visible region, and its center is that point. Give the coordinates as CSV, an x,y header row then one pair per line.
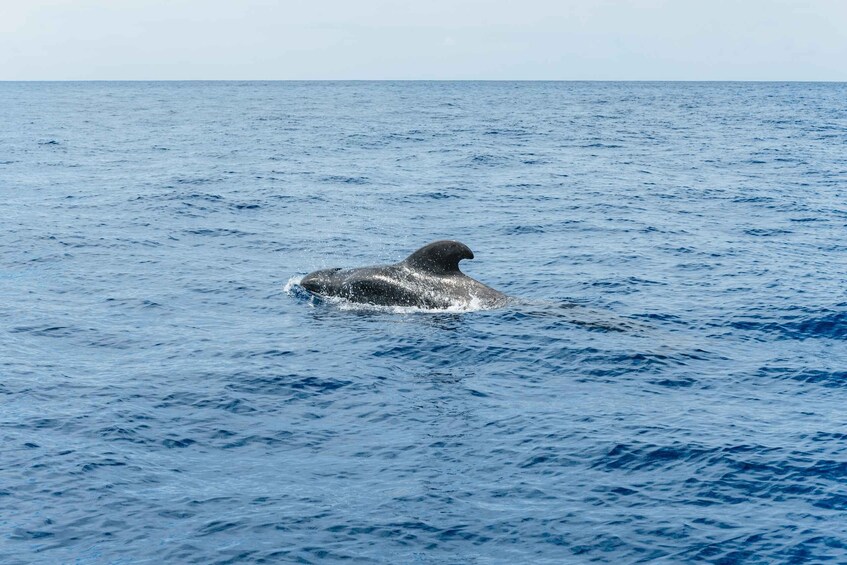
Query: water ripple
x,y
667,386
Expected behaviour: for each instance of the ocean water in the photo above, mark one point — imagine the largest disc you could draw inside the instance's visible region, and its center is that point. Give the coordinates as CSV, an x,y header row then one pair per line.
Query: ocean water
x,y
670,387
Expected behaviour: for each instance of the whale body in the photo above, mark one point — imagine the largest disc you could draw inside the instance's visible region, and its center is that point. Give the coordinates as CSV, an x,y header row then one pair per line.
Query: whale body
x,y
429,278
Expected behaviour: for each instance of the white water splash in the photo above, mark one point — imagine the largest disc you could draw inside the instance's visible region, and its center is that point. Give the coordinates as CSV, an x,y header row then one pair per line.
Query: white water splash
x,y
292,282
292,288
473,305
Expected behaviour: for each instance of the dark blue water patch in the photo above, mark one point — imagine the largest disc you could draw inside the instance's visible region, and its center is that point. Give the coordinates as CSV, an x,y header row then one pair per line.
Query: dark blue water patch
x,y
829,324
809,219
217,232
767,232
683,382
599,145
832,379
177,443
832,324
97,465
115,433
419,196
439,195
519,230
335,179
754,199
197,180
487,160
506,132
288,385
197,196
632,284
412,135
245,206
227,403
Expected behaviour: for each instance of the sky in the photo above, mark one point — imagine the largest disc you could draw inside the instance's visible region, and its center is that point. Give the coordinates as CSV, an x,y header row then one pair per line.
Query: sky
x,y
423,39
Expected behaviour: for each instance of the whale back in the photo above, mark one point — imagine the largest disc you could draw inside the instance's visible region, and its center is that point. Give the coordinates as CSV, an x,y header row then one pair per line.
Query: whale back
x,y
439,257
428,278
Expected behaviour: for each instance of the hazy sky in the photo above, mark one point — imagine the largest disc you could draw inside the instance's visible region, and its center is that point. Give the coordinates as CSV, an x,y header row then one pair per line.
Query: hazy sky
x,y
424,39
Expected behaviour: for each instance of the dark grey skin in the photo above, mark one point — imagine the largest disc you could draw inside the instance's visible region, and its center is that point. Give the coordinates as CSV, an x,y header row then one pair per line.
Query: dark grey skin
x,y
428,278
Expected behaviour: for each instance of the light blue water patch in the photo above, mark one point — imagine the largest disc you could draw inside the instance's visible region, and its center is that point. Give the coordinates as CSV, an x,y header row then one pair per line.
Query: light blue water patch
x,y
164,397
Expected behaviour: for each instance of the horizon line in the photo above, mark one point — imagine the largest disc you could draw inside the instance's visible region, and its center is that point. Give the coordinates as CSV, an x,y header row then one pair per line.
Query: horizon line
x,y
828,81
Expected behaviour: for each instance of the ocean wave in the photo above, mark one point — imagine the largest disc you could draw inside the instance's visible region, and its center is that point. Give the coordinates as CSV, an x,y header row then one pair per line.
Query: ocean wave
x,y
667,388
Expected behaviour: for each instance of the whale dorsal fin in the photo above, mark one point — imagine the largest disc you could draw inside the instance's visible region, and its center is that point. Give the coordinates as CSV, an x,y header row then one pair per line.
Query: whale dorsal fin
x,y
439,257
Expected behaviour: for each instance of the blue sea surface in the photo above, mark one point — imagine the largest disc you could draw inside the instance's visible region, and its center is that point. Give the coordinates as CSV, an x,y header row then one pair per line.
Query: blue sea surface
x,y
670,387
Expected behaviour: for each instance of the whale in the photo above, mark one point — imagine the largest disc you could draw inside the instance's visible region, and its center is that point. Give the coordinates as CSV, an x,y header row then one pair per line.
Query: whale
x,y
428,279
